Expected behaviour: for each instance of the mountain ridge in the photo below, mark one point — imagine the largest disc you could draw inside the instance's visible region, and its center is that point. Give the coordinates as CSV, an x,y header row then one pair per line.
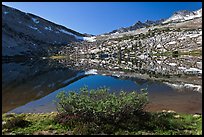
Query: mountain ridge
x,y
27,34
135,26
30,35
182,17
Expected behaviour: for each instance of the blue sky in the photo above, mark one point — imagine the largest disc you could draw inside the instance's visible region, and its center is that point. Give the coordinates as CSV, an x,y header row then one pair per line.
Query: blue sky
x,y
100,17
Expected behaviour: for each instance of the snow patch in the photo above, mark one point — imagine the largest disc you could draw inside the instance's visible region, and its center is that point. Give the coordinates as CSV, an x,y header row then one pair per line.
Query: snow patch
x,y
94,51
34,28
173,85
142,56
48,28
183,68
187,85
44,57
178,17
92,71
173,42
193,35
159,46
181,38
116,75
199,65
78,37
198,12
172,64
195,87
69,33
35,20
196,70
89,39
159,62
6,12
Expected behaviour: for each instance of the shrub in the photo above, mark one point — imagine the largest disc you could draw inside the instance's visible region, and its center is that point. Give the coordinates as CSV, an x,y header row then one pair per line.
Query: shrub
x,y
14,122
100,106
175,54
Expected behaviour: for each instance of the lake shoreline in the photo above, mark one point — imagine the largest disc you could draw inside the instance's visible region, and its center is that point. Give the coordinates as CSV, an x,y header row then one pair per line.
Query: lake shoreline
x,y
41,124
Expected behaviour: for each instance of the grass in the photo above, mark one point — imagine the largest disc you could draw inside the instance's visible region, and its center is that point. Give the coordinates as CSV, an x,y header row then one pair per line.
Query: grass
x,y
193,53
37,124
190,53
167,53
175,124
59,57
98,111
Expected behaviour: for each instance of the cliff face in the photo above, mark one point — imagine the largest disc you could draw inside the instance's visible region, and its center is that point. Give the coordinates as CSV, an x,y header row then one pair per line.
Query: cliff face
x,y
29,35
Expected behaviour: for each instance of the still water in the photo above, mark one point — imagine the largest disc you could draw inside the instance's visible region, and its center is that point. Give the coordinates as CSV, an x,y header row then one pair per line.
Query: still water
x,y
31,86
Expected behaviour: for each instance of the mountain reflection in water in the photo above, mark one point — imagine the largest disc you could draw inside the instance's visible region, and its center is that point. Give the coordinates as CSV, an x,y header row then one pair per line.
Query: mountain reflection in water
x,y
32,85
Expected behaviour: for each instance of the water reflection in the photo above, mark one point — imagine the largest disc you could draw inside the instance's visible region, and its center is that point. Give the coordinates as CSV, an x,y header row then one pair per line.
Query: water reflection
x,y
92,82
31,86
26,81
180,70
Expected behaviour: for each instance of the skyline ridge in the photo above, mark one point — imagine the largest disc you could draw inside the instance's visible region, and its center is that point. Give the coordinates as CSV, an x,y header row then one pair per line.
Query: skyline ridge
x,y
102,24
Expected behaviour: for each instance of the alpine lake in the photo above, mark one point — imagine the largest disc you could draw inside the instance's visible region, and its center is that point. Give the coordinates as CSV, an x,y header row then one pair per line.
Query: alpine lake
x,y
172,83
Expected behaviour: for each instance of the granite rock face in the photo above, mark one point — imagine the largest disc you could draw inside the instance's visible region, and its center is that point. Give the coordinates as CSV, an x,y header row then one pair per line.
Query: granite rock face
x,y
184,15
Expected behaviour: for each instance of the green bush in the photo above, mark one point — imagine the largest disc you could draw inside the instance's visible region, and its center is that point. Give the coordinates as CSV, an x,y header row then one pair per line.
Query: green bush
x,y
175,54
15,122
101,106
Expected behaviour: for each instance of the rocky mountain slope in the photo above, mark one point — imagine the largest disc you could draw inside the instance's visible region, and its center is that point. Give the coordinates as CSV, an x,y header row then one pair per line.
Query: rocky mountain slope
x,y
30,35
184,36
184,15
157,47
178,16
